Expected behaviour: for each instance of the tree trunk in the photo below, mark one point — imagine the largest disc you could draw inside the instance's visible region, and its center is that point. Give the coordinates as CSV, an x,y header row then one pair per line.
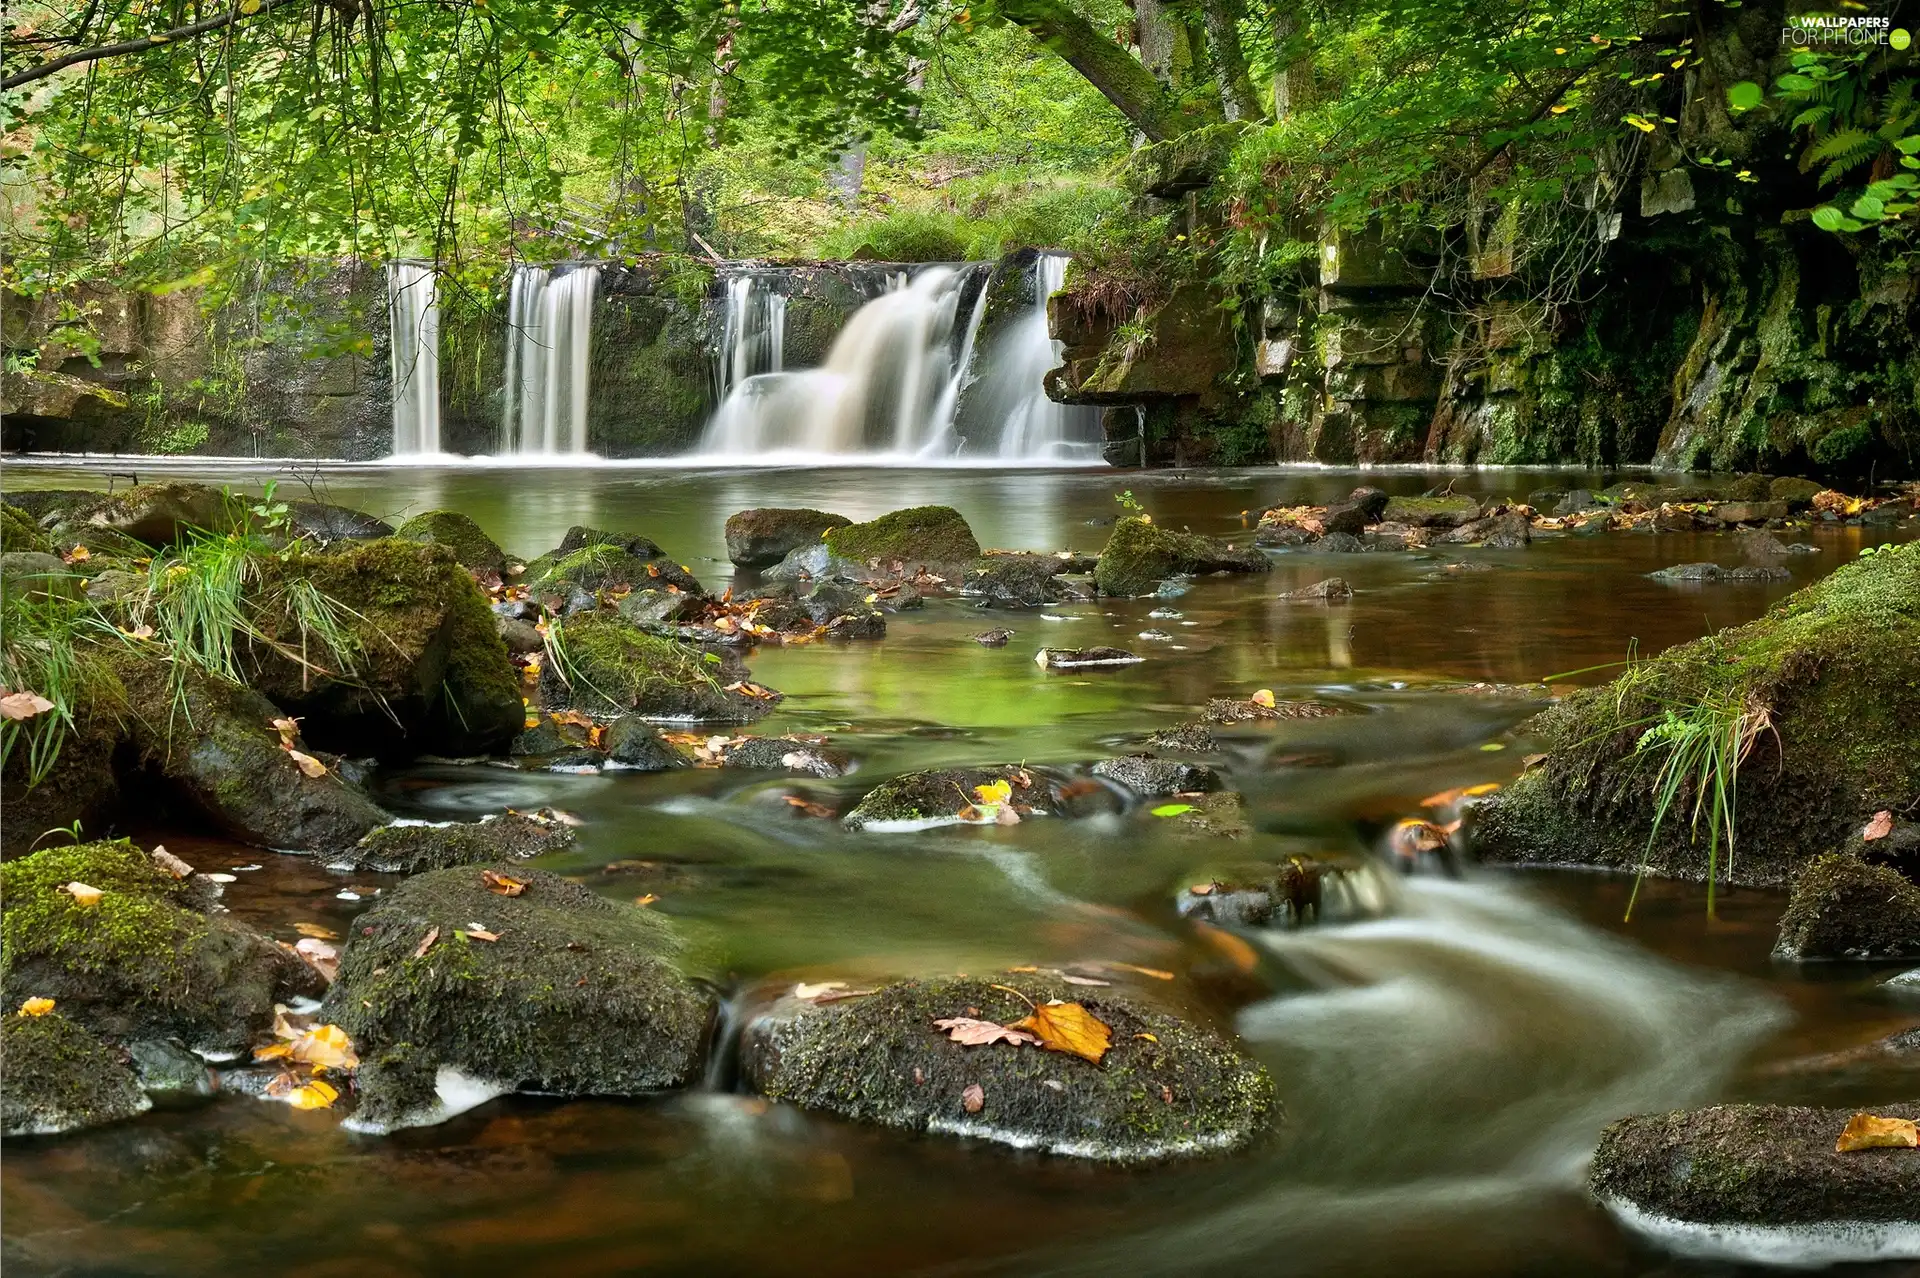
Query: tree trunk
x,y
1293,82
1107,66
1237,98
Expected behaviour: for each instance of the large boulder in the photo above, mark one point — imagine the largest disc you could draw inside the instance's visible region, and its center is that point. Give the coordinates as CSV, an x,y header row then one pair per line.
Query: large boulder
x,y
160,514
1761,1181
472,548
1827,685
1843,908
1431,512
575,995
60,773
61,1078
214,745
1017,581
417,846
147,959
902,542
763,537
941,795
589,560
1164,1089
604,665
1140,554
425,653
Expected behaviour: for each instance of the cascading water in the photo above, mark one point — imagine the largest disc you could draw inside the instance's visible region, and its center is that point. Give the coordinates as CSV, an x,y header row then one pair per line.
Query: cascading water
x,y
888,386
549,339
413,314
754,336
1036,428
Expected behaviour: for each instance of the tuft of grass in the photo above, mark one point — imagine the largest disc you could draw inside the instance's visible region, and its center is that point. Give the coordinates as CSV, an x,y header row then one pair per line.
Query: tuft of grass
x,y
41,653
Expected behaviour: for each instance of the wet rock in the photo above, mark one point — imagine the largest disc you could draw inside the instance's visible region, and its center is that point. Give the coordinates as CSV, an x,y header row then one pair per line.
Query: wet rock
x,y
34,574
1798,494
811,562
1156,636
939,796
589,561
845,608
160,514
1230,710
1898,848
146,960
412,848
61,1078
1280,536
1767,1166
1363,506
1150,776
1141,554
993,638
1760,546
580,759
608,666
1341,543
1688,572
1675,519
1085,658
1332,590
635,744
547,736
1837,664
169,1072
763,537
1432,512
646,608
934,538
1757,572
1576,502
326,523
1750,512
427,654
1299,891
580,995
1192,738
789,754
1842,908
214,746
1508,531
472,548
1543,500
519,636
1017,581
1165,1089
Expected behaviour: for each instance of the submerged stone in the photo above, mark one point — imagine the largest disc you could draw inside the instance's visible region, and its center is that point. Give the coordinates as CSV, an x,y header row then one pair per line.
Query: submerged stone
x,y
1761,1182
786,753
1017,581
1191,738
607,666
763,537
144,961
846,608
1293,893
1165,1088
61,1078
1085,658
1140,554
413,848
1842,908
1148,775
579,995
993,638
1332,590
938,797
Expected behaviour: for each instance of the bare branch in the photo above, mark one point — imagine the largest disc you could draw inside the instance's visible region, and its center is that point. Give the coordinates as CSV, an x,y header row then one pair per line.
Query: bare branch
x,y
232,17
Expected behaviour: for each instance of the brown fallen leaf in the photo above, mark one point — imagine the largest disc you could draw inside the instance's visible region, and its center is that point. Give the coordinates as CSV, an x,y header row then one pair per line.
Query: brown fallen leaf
x,y
969,1032
426,942
1069,1028
809,808
1878,828
1236,951
1154,972
316,931
974,1099
307,763
169,862
481,934
1071,979
502,884
320,956
23,705
1870,1131
1201,889
1411,838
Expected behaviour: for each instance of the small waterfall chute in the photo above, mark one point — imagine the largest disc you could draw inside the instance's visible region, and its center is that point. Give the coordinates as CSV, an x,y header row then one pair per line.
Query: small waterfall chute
x,y
1009,414
753,334
413,328
549,344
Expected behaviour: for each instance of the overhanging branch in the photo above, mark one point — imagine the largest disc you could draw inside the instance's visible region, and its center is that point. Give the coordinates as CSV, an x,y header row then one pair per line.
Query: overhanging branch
x,y
232,17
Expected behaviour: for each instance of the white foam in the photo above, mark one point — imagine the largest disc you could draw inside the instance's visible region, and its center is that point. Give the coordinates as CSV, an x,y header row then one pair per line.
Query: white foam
x,y
940,1124
1809,1246
454,1094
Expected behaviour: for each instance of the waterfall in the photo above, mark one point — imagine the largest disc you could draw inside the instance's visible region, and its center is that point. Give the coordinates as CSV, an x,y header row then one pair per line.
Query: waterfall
x,y
549,339
889,384
1036,428
753,338
413,314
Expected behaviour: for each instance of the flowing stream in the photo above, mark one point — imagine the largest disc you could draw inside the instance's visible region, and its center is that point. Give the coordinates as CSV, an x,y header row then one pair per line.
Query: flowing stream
x,y
1447,1050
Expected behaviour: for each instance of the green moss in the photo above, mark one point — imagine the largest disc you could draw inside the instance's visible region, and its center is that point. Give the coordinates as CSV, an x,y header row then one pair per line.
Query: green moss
x,y
60,1078
942,793
918,535
1164,1089
1140,554
1843,908
1836,667
471,546
410,849
606,665
20,531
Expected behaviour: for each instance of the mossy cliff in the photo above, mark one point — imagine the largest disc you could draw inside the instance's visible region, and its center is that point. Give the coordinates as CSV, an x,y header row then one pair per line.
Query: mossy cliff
x,y
1829,682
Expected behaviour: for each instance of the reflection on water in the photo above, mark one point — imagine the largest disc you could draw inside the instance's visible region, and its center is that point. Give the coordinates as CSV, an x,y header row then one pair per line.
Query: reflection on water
x,y
1444,1067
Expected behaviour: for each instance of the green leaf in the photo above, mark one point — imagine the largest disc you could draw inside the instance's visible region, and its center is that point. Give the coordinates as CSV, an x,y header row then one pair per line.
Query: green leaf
x,y
1172,809
1868,209
1827,218
1745,96
1791,83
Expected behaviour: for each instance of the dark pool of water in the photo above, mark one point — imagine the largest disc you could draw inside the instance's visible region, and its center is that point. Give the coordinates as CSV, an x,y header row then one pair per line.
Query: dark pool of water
x,y
1446,1066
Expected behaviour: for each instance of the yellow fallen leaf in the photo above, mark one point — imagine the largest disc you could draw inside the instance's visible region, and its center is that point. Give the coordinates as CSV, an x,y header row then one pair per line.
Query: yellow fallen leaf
x,y
1475,791
1411,838
1263,698
501,884
1069,1028
1154,972
1151,1038
36,1007
1870,1131
480,934
82,894
168,862
79,555
316,931
307,763
273,1051
325,1047
1231,947
314,1095
993,792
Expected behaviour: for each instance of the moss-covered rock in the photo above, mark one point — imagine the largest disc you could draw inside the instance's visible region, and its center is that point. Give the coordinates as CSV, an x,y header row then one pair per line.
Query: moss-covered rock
x,y
1767,1165
1843,908
607,666
579,995
789,754
1165,1089
930,537
160,514
214,746
634,743
1431,512
633,563
763,537
61,1078
472,548
20,531
80,782
1836,669
415,847
940,795
427,654
144,961
35,574
1140,554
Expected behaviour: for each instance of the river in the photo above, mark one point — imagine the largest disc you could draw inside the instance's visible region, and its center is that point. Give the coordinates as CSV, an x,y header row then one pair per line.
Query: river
x,y
1445,1062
